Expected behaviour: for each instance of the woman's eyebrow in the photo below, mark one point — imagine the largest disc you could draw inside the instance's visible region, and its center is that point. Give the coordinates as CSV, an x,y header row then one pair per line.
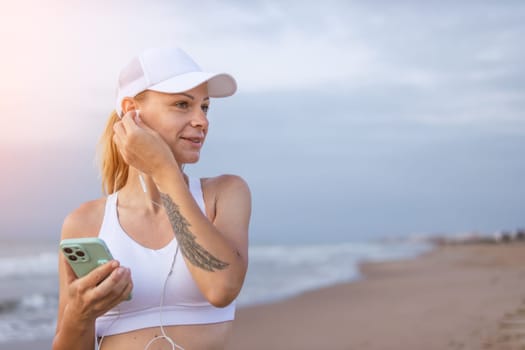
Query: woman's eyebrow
x,y
190,96
185,94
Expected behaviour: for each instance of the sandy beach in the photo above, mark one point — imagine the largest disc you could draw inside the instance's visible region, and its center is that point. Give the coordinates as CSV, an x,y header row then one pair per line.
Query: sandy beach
x,y
455,297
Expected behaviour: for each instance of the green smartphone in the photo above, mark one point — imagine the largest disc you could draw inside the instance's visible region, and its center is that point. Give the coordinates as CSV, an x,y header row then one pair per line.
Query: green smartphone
x,y
85,254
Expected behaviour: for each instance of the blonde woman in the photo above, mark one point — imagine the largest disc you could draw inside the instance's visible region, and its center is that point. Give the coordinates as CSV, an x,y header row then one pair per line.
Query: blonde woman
x,y
180,244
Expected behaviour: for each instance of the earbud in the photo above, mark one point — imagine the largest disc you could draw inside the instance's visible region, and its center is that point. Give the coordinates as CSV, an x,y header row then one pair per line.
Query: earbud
x,y
136,111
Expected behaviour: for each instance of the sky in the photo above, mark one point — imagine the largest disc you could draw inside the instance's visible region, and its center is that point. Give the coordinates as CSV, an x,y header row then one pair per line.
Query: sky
x,y
354,120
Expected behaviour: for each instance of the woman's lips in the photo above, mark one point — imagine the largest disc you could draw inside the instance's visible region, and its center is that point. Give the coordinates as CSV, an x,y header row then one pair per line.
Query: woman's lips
x,y
197,141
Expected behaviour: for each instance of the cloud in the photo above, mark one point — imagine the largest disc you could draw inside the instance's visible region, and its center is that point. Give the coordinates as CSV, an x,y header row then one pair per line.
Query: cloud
x,y
431,62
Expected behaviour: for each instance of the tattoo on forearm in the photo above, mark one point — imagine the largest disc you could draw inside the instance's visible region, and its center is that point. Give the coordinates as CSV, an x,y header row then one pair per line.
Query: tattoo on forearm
x,y
189,247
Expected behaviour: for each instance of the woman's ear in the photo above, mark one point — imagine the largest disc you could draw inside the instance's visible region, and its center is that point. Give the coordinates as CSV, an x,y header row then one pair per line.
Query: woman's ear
x,y
128,104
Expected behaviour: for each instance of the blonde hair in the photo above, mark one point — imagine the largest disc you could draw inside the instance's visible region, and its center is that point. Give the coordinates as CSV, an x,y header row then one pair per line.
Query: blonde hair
x,y
113,169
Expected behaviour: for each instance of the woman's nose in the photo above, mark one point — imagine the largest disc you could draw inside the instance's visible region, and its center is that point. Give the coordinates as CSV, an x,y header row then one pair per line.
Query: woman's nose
x,y
200,119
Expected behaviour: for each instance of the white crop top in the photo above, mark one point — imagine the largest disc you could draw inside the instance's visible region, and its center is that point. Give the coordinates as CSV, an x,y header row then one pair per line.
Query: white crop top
x,y
183,302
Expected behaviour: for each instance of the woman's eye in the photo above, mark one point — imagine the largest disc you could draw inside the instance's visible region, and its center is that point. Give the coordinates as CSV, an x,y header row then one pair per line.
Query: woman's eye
x,y
182,104
205,108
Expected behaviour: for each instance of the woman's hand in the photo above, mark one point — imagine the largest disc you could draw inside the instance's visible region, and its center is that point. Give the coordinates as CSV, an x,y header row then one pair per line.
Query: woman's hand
x,y
140,146
97,292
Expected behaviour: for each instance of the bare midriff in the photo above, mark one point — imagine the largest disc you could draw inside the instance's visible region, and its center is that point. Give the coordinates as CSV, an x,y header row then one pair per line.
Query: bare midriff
x,y
190,337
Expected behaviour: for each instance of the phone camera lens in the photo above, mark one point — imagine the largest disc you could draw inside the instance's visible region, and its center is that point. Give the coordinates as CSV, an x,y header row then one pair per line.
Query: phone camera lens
x,y
68,250
72,258
80,253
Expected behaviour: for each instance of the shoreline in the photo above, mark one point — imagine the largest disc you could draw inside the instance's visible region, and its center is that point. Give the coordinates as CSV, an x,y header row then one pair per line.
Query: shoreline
x,y
453,297
467,296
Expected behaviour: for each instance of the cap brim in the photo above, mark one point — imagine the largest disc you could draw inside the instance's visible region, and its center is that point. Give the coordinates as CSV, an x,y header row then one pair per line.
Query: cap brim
x,y
219,85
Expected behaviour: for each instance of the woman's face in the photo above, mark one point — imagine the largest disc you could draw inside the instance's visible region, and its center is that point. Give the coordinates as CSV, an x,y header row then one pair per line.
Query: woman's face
x,y
180,119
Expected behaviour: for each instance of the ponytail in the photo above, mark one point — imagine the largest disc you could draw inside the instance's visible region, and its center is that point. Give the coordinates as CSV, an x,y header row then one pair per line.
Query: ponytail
x,y
113,169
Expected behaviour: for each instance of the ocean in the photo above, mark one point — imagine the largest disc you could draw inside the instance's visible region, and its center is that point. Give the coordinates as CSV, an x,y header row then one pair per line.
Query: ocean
x,y
28,278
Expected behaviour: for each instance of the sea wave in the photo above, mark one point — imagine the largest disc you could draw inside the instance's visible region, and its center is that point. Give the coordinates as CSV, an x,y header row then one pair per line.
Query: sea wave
x,y
31,317
40,264
275,272
280,271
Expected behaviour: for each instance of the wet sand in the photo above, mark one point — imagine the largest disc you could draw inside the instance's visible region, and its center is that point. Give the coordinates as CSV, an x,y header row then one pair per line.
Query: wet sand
x,y
455,297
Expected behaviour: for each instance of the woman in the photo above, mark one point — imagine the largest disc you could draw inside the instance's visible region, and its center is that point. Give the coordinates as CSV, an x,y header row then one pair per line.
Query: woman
x,y
180,244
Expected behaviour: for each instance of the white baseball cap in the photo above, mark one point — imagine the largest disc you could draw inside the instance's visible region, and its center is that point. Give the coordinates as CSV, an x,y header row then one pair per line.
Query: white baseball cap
x,y
169,70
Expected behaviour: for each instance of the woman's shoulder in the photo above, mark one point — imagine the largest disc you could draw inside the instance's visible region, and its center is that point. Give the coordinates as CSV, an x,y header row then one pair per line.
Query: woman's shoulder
x,y
226,193
225,183
84,221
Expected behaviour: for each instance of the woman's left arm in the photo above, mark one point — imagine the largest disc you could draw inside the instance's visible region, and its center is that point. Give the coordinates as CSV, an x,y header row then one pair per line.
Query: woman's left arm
x,y
216,252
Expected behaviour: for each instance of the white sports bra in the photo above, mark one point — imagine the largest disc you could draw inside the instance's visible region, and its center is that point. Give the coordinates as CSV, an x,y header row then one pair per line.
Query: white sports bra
x,y
183,302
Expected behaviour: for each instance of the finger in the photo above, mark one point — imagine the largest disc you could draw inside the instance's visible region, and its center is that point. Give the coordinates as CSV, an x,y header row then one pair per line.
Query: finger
x,y
110,292
114,284
124,296
119,128
131,112
119,137
128,121
99,274
117,140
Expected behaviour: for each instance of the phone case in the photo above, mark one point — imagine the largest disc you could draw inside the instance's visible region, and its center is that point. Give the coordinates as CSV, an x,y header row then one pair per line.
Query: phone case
x,y
85,254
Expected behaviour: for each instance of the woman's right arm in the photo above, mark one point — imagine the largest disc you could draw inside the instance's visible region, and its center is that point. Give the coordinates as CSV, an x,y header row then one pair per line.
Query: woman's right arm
x,y
82,300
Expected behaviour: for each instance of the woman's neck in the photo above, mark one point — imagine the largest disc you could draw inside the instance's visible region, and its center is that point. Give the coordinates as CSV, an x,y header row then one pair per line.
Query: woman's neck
x,y
143,193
